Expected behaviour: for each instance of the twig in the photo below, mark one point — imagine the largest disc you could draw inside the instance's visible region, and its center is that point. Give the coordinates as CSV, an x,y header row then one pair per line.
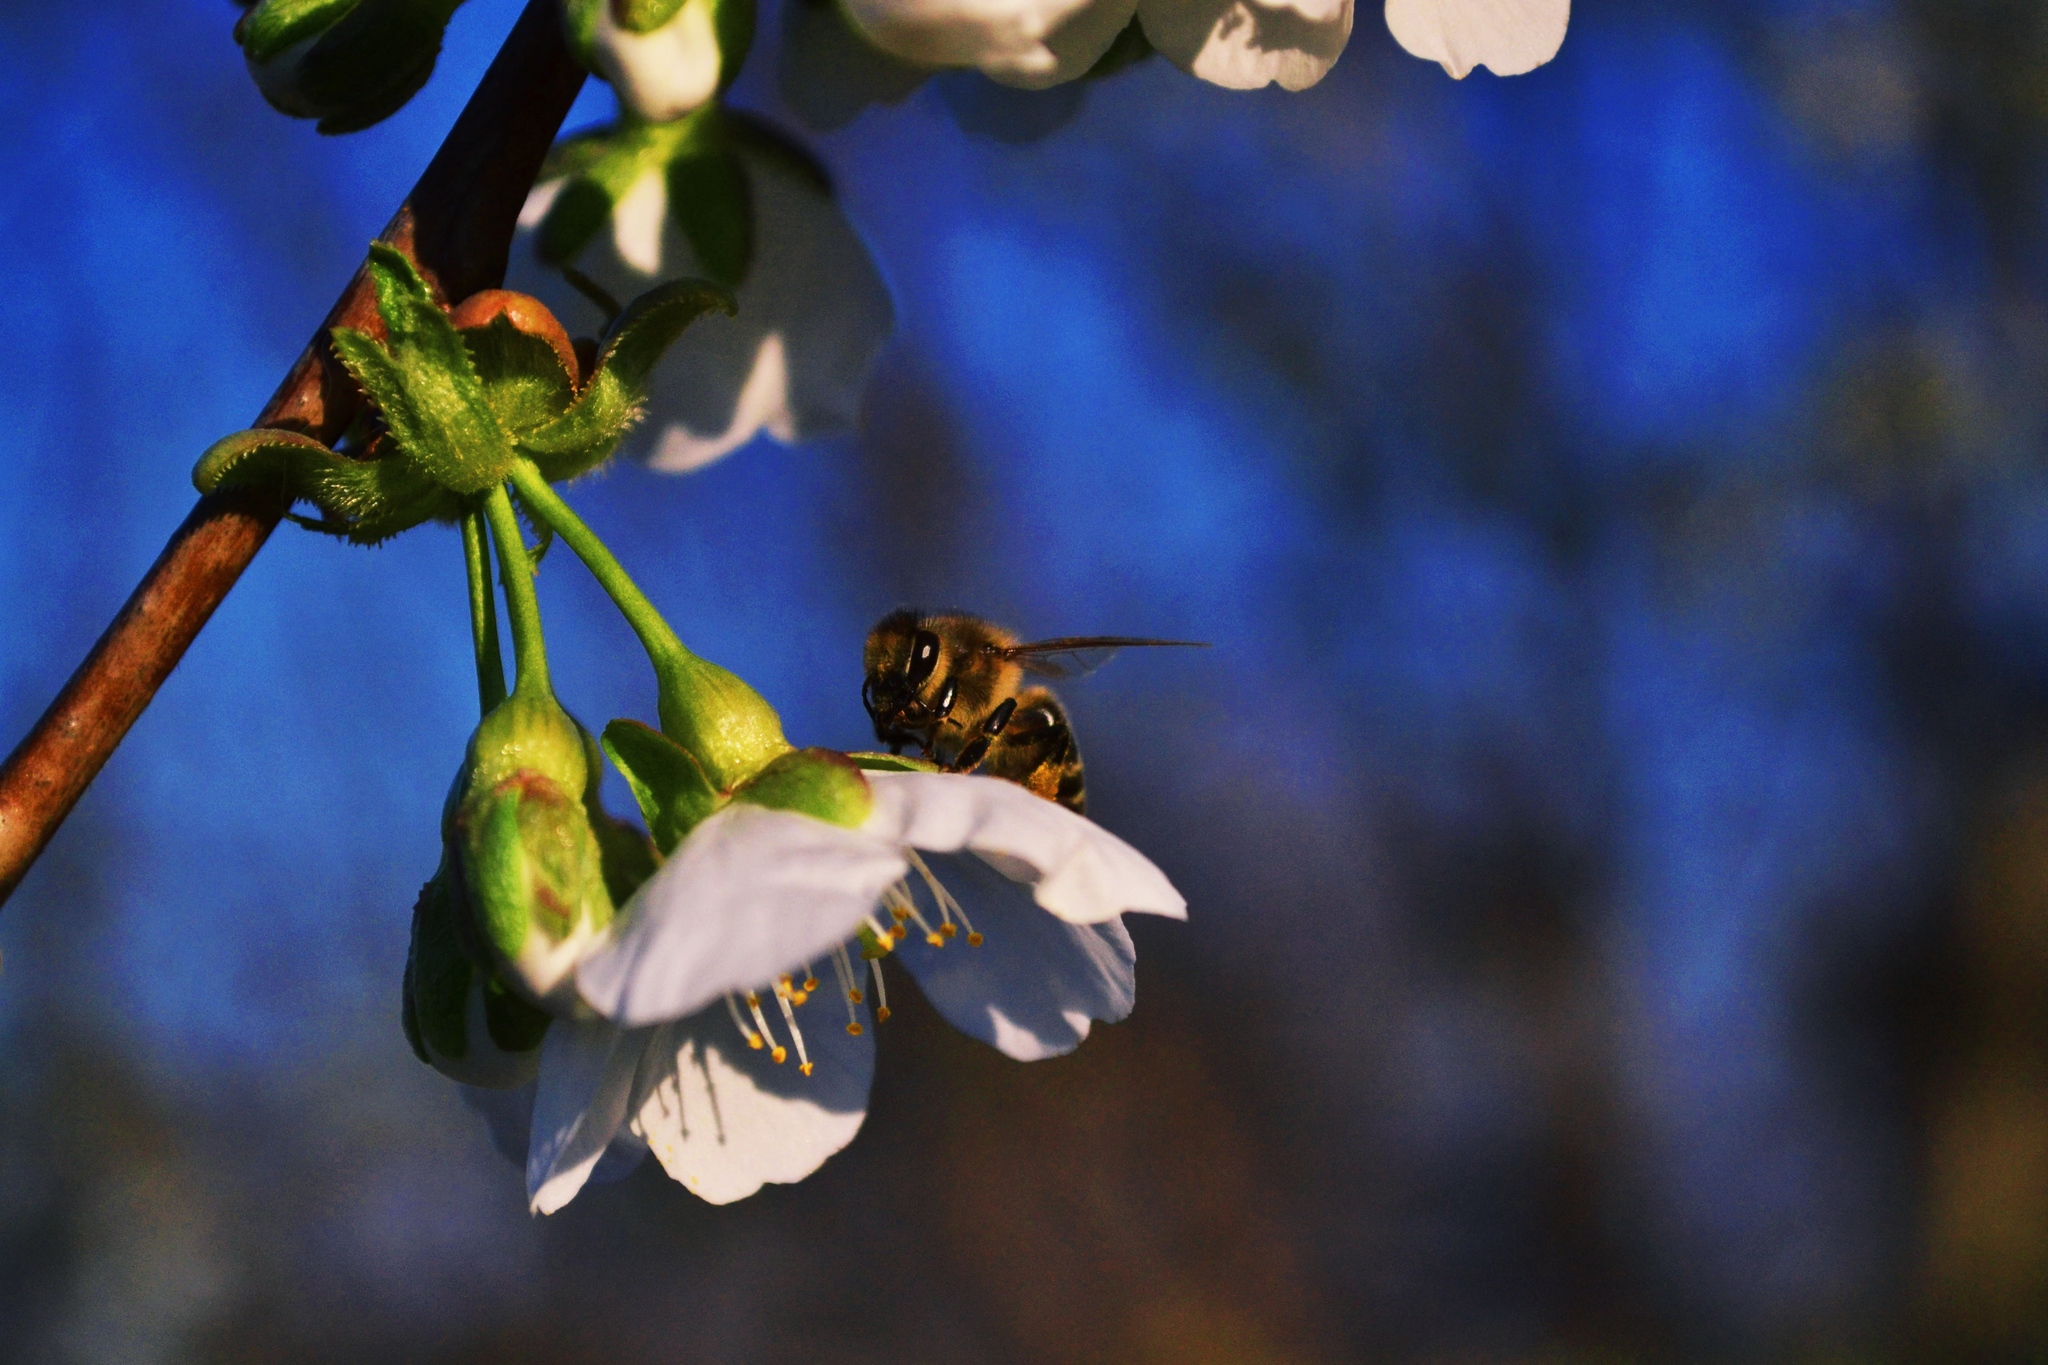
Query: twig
x,y
457,224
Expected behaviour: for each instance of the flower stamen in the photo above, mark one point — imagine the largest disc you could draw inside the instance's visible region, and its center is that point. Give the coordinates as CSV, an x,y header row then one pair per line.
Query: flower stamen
x,y
775,1049
843,968
904,906
881,995
796,1035
949,908
733,1007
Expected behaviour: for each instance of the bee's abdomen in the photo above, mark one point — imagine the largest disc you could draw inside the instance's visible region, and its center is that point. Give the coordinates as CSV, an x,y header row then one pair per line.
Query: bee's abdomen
x,y
1037,751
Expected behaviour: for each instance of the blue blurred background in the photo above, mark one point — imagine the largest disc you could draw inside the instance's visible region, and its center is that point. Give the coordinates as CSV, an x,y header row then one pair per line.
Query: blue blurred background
x,y
1615,814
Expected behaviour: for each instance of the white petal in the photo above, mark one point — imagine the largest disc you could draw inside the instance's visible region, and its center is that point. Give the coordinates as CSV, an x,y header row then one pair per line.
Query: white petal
x,y
1508,36
586,1078
763,406
1076,45
749,895
1080,871
724,1119
990,34
1246,44
664,74
1034,983
508,1114
813,314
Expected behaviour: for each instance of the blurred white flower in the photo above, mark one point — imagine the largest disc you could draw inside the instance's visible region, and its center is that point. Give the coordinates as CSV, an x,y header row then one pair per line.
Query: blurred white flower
x,y
1239,44
1508,37
813,310
662,74
719,1047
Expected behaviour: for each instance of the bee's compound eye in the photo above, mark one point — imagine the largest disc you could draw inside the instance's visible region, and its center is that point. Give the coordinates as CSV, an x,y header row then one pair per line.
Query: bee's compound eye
x,y
947,696
924,657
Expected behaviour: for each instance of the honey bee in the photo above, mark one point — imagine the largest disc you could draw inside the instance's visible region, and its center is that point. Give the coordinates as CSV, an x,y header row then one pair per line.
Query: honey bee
x,y
953,685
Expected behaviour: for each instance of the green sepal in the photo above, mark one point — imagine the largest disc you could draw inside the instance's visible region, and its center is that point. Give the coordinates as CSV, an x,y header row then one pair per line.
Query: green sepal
x,y
644,16
444,990
628,856
586,435
514,1025
273,26
522,375
674,794
437,974
820,783
531,855
364,501
709,199
424,382
892,763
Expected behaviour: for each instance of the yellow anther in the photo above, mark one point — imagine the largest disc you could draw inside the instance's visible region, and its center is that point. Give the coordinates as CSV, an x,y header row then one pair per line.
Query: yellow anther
x,y
949,928
899,913
798,997
754,1042
853,1030
936,940
810,982
787,984
881,1014
855,996
781,1054
753,999
973,940
806,1067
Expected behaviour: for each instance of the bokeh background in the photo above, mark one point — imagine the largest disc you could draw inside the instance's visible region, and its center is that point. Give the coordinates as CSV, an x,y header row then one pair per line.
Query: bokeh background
x,y
1614,814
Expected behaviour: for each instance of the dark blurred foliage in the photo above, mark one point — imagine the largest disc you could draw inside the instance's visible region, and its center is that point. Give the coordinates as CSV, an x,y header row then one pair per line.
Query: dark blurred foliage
x,y
1615,816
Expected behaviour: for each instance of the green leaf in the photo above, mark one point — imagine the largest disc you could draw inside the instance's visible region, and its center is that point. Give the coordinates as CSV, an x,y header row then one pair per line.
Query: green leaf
x,y
708,199
522,375
364,500
586,435
667,781
424,382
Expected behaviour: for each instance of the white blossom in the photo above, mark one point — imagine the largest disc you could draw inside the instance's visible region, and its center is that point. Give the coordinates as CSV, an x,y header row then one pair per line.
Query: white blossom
x,y
794,362
737,1002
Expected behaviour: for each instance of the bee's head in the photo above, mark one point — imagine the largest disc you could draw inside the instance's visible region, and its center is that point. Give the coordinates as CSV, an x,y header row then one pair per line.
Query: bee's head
x,y
899,691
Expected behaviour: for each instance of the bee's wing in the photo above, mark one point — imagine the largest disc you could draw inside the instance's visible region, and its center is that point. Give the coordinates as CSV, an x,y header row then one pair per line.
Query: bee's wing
x,y
1071,656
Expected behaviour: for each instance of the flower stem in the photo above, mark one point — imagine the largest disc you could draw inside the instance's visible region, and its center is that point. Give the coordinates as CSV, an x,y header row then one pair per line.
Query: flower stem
x,y
483,613
522,606
656,636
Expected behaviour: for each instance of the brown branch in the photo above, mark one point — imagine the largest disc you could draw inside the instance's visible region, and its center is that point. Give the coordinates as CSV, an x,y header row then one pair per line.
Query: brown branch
x,y
457,224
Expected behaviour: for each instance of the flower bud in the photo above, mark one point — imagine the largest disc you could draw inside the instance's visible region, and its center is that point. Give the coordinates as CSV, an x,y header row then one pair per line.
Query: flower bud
x,y
530,864
460,1019
728,727
347,63
527,315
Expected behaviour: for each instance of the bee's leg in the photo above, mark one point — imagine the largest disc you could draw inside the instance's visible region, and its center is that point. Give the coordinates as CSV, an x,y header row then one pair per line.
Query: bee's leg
x,y
985,734
1037,751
